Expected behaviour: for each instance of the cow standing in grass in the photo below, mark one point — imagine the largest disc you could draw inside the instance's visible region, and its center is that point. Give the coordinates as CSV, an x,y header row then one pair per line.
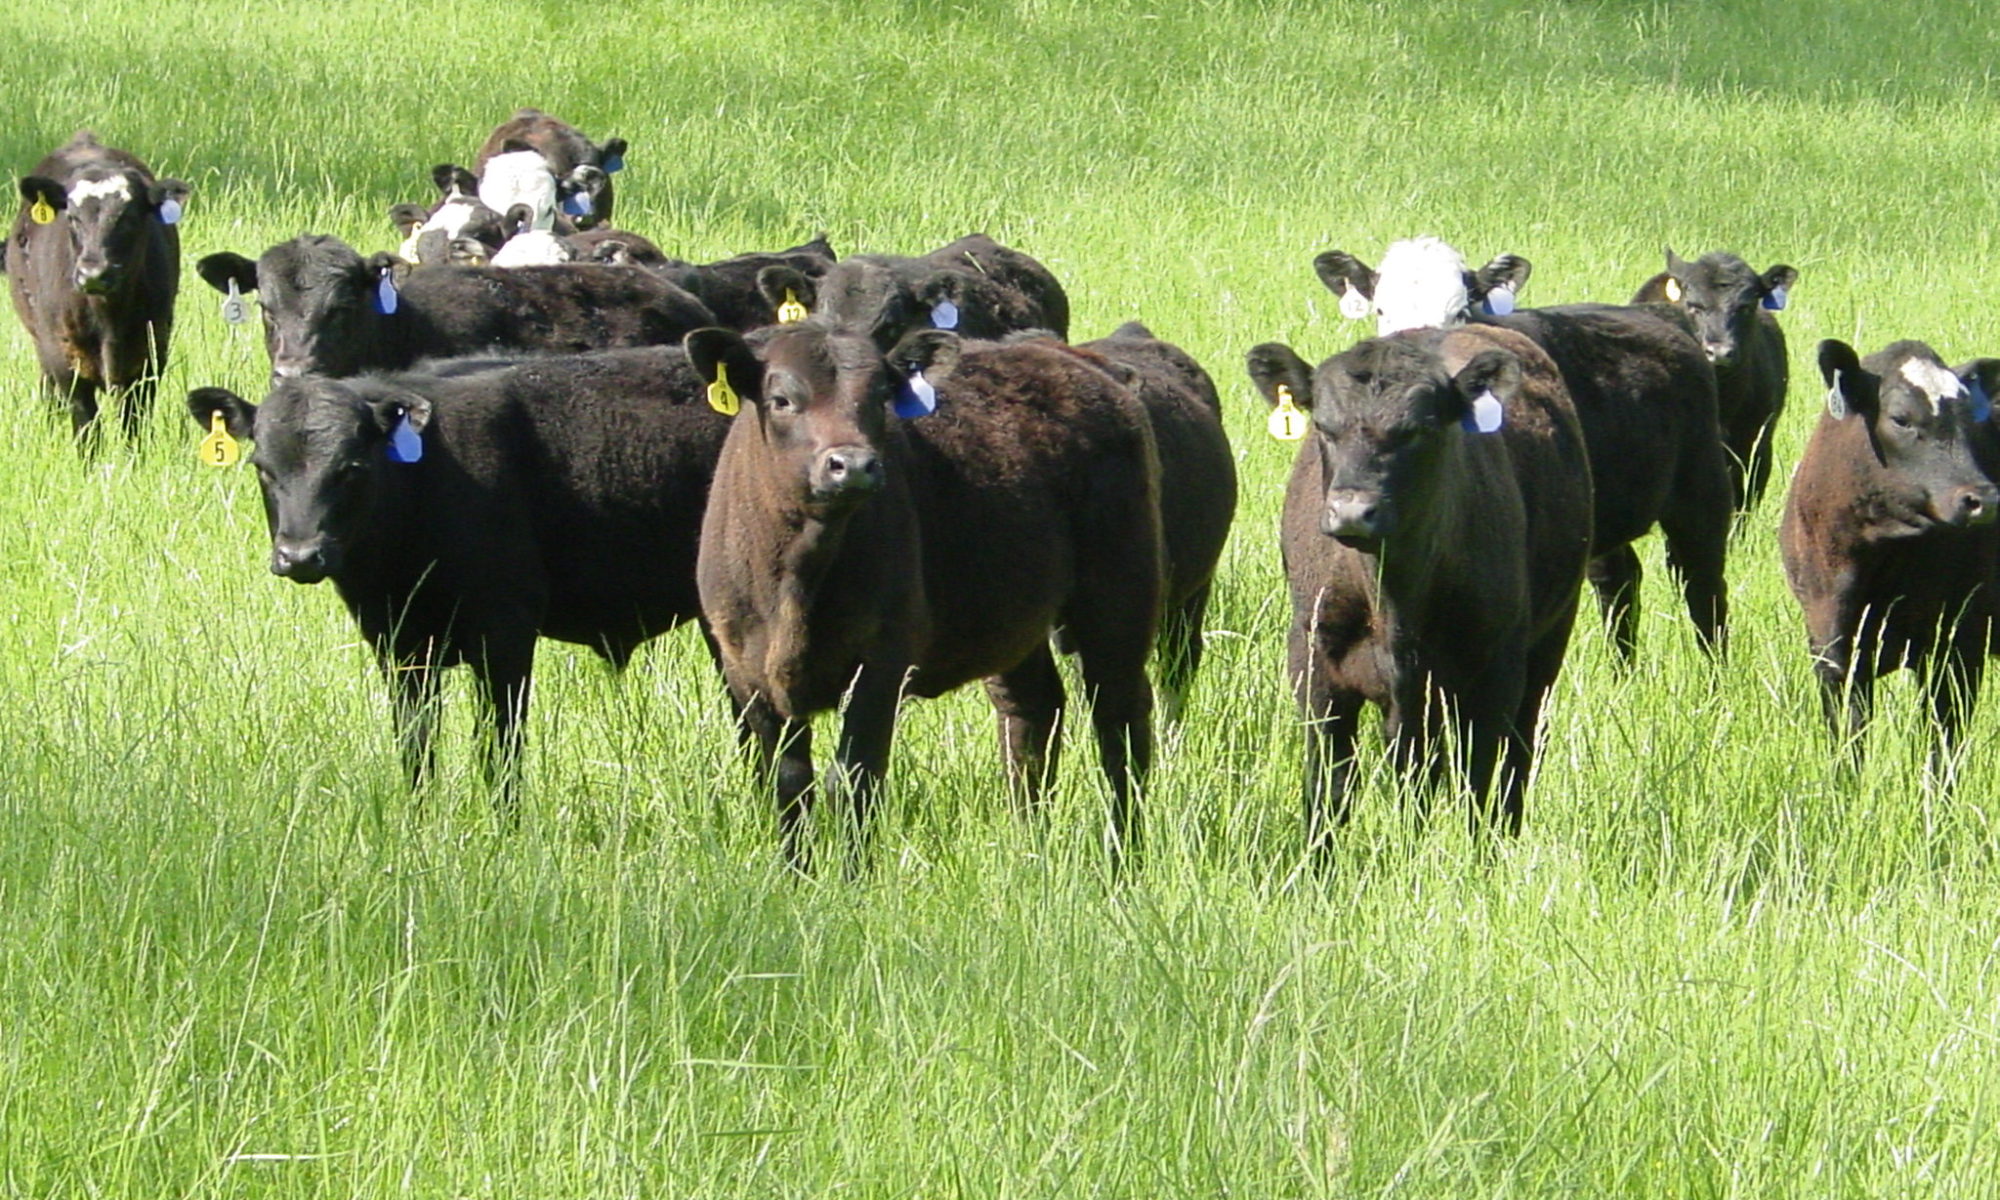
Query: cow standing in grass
x,y
1889,537
1435,532
94,261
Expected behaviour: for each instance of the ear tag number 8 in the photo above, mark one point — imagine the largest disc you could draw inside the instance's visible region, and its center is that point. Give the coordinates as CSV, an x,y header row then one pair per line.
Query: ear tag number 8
x,y
1287,423
218,449
721,397
40,213
791,312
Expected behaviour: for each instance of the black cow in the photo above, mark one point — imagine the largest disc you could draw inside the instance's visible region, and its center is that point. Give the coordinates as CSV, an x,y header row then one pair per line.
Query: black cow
x,y
1645,394
1435,532
975,287
1889,537
584,167
558,497
1732,307
731,287
95,262
324,307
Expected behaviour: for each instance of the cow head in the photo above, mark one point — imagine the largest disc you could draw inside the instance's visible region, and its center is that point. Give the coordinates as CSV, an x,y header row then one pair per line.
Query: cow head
x,y
323,461
580,194
1722,294
1384,414
320,300
520,176
109,215
1925,424
819,400
1423,283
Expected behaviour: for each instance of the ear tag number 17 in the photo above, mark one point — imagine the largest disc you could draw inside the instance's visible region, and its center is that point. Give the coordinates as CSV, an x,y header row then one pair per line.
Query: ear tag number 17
x,y
218,449
791,312
1287,423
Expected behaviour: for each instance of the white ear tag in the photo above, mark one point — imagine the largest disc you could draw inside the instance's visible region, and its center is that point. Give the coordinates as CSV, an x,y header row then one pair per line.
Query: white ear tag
x,y
1353,305
916,398
1500,301
1836,403
385,294
232,305
1486,414
170,211
1775,301
944,315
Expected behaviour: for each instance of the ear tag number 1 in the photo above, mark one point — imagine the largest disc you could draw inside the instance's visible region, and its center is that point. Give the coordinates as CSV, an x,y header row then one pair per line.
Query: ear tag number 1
x,y
40,212
791,312
721,397
1353,305
218,449
1486,414
916,398
1775,299
1287,423
406,445
385,293
232,305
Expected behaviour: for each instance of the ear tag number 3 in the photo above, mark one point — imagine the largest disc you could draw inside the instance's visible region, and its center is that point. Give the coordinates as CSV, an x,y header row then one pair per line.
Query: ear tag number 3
x,y
1287,423
218,449
41,213
791,312
232,305
721,397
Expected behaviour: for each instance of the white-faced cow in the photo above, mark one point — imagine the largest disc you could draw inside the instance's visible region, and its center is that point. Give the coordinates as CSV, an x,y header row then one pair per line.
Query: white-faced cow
x,y
1435,532
94,261
581,167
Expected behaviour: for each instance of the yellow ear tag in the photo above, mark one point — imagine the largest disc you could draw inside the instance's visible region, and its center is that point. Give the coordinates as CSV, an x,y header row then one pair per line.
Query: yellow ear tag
x,y
40,212
721,397
1287,423
218,449
791,312
1673,289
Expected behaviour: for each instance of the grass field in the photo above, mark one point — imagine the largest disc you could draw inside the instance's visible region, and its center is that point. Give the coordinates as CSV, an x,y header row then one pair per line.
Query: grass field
x,y
237,960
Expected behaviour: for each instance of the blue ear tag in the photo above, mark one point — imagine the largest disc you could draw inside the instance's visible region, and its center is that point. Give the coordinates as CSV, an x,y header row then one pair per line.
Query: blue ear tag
x,y
577,204
405,444
944,315
1981,404
614,164
916,398
170,211
1775,299
1500,301
385,294
1485,416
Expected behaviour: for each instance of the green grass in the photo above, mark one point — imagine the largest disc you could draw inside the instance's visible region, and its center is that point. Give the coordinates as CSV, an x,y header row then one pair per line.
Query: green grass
x,y
236,959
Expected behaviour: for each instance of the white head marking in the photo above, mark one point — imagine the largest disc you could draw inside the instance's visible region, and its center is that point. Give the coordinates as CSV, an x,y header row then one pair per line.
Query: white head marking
x,y
1932,382
100,189
1421,284
520,177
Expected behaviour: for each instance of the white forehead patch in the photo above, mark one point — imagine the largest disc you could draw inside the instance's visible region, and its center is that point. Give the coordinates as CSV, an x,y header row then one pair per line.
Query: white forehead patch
x,y
1932,382
1421,284
100,189
452,215
520,177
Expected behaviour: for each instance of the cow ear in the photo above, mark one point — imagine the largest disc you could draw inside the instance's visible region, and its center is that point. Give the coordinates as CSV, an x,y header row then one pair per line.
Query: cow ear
x,y
407,218
1510,271
1480,389
41,188
942,297
517,219
218,270
1676,265
934,352
514,145
1981,378
375,264
239,416
774,282
1780,276
1849,389
1273,365
394,405
163,190
611,150
1340,271
716,352
450,177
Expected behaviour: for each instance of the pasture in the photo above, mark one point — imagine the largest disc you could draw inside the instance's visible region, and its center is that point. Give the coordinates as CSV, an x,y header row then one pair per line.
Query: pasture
x,y
237,959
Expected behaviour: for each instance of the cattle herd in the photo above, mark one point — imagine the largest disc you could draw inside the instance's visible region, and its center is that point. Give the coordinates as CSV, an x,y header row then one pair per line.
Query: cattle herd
x,y
874,476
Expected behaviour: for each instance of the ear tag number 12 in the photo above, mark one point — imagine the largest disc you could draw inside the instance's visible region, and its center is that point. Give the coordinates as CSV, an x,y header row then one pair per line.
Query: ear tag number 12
x,y
1287,423
1353,305
721,397
791,312
218,449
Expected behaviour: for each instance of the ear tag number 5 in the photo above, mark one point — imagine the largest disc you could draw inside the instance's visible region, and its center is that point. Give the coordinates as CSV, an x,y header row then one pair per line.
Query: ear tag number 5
x,y
721,397
791,312
1287,423
218,449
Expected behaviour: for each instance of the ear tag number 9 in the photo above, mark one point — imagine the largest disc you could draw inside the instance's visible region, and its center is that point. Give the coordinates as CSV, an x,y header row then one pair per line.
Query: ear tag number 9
x,y
218,449
40,213
1287,423
721,397
791,312
232,305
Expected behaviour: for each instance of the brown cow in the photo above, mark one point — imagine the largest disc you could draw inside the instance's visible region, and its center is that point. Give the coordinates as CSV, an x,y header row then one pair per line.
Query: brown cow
x,y
1435,533
1889,536
850,552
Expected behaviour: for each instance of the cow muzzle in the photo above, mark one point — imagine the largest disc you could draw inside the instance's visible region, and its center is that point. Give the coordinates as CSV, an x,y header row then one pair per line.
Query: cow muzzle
x,y
304,560
1355,515
95,279
1720,354
1970,506
846,473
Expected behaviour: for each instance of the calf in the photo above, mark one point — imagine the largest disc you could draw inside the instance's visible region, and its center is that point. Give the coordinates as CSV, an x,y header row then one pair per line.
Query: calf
x,y
974,286
850,552
1435,532
589,194
460,228
1645,394
1889,537
324,311
463,512
94,261
1732,309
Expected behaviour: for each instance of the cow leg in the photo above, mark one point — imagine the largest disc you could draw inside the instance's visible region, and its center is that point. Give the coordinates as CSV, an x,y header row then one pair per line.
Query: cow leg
x,y
413,697
1544,663
1952,688
1615,576
1696,527
1332,719
1121,707
1846,694
1757,471
1179,653
783,750
861,755
504,671
1028,700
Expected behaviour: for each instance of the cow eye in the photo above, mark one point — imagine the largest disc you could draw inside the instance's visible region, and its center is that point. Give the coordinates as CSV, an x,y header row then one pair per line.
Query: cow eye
x,y
779,402
1899,420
